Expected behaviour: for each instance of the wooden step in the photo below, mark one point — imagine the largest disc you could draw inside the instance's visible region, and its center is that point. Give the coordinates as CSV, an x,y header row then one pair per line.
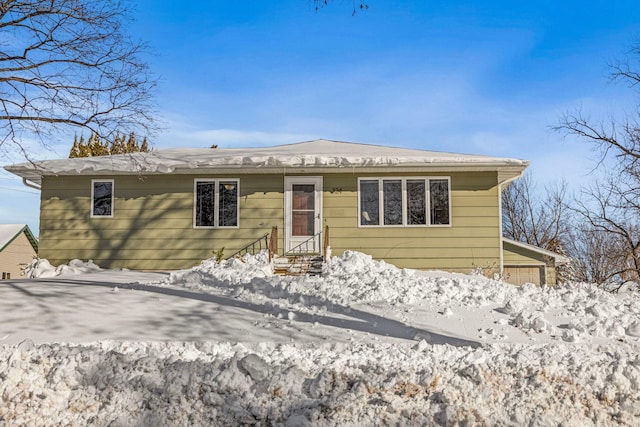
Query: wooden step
x,y
298,265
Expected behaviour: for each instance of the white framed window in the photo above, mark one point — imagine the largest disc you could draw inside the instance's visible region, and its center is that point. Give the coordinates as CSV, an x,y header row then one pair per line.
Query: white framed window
x,y
215,203
404,202
102,198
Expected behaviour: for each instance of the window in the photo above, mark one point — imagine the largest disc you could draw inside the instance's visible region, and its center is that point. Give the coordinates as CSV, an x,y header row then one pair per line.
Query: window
x,y
439,201
392,201
369,202
102,198
414,201
216,203
303,209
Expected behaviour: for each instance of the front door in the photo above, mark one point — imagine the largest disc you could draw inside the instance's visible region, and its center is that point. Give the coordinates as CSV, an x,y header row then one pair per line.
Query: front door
x,y
303,208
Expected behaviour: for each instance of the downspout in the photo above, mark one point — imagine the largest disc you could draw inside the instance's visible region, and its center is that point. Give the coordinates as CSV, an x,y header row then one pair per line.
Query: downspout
x,y
30,184
506,181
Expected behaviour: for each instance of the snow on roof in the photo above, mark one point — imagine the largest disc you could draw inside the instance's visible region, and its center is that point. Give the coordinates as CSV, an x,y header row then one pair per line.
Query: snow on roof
x,y
8,233
304,155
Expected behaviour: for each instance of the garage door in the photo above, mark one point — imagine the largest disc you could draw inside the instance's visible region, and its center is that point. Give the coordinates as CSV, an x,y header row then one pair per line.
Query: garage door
x,y
521,274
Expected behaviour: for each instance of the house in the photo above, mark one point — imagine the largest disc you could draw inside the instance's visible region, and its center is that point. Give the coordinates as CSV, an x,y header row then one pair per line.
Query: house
x,y
18,247
169,209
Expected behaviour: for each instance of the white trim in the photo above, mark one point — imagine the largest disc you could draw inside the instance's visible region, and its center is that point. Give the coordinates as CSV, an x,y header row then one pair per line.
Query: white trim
x,y
113,191
216,211
404,179
289,240
448,179
501,187
560,259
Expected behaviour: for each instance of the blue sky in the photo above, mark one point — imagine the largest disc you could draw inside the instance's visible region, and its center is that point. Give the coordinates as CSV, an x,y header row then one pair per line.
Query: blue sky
x,y
488,78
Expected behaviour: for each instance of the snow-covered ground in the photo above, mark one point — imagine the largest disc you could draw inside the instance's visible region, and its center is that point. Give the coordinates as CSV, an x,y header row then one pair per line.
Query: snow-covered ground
x,y
365,344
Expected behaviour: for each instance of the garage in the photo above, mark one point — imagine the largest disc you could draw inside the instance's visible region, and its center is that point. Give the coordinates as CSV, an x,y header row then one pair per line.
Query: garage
x,y
524,263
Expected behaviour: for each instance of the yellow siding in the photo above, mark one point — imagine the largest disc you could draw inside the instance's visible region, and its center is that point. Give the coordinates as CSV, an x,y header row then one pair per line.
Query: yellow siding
x,y
15,255
516,255
518,262
519,275
152,226
472,241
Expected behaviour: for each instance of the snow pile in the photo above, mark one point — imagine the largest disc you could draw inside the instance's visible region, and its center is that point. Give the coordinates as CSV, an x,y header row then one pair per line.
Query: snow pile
x,y
351,278
366,343
571,312
296,385
41,268
355,277
581,311
231,272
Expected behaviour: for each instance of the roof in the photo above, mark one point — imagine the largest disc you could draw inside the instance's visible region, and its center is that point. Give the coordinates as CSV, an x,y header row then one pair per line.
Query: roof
x,y
302,157
9,232
560,259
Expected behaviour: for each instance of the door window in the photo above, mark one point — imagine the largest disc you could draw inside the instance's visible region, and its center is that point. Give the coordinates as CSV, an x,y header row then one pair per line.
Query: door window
x,y
303,210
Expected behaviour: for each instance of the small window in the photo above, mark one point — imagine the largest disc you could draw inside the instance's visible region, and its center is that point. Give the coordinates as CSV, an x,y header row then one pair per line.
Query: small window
x,y
228,191
6,275
216,203
392,201
369,202
439,201
102,198
410,201
205,203
416,202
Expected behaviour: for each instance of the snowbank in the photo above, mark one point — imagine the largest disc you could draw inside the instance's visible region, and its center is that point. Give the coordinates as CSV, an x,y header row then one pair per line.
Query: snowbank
x,y
581,366
294,385
571,312
351,278
42,269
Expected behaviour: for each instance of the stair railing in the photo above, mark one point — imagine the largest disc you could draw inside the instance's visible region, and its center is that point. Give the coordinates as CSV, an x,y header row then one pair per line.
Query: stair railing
x,y
313,245
261,243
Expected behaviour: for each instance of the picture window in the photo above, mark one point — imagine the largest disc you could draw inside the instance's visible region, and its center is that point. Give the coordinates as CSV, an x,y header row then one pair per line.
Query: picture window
x,y
414,201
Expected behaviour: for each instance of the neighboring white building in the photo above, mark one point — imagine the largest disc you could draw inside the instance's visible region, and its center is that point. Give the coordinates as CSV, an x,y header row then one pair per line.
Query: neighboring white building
x,y
18,247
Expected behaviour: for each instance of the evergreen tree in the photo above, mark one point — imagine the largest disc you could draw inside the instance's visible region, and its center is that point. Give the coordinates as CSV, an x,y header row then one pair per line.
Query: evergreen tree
x,y
83,149
96,147
565,273
118,145
132,144
75,150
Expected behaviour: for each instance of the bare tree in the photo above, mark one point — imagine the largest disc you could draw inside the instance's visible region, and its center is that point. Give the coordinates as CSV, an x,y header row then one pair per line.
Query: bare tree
x,y
611,207
69,64
610,210
595,255
533,217
619,138
539,218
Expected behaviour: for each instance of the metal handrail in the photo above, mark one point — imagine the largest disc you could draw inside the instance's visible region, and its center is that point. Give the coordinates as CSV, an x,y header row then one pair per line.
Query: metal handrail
x,y
298,250
252,245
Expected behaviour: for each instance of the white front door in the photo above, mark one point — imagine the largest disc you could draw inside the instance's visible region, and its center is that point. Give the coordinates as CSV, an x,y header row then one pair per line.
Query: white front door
x,y
303,213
